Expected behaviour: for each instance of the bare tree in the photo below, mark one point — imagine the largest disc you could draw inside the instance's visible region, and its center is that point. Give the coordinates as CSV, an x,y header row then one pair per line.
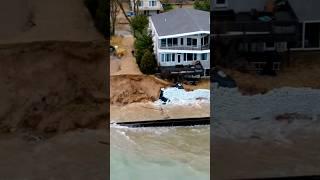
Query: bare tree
x,y
135,4
114,11
123,11
137,8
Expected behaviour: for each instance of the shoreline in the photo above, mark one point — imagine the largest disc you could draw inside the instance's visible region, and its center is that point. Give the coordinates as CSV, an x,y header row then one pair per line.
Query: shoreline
x,y
180,103
150,111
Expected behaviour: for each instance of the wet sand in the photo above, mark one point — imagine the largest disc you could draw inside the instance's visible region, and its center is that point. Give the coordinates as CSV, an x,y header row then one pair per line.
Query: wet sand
x,y
148,111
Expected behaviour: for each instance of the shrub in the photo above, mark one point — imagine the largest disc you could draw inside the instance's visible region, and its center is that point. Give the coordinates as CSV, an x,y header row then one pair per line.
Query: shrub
x,y
139,24
167,7
148,62
142,43
203,5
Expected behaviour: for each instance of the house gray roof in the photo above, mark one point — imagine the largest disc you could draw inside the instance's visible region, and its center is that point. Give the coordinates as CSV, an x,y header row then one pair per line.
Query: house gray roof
x,y
180,21
242,5
307,10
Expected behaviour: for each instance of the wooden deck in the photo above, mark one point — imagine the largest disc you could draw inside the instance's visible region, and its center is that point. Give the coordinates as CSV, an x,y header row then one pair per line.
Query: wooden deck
x,y
182,70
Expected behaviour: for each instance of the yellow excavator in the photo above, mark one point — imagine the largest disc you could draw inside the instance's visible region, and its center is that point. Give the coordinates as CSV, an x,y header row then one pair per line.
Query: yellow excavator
x,y
119,52
116,50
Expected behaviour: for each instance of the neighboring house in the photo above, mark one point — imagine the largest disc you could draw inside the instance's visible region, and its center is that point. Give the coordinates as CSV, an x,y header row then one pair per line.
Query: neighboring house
x,y
181,38
148,7
265,31
308,14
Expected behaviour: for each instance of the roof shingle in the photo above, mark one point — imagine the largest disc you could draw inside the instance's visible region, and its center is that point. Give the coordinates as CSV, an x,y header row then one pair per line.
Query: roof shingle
x,y
180,21
307,10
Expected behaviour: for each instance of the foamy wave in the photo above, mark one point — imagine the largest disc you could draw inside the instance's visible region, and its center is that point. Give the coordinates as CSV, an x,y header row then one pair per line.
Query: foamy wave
x,y
182,97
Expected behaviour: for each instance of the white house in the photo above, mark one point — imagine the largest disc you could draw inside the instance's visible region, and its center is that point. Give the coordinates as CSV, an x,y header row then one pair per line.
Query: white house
x,y
306,12
181,37
148,7
308,15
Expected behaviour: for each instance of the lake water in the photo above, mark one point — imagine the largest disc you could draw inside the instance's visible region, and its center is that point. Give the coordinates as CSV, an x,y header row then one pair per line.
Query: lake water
x,y
162,153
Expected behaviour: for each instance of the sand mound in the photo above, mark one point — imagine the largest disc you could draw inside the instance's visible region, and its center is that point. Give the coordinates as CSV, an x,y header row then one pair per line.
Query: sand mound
x,y
52,86
41,20
125,89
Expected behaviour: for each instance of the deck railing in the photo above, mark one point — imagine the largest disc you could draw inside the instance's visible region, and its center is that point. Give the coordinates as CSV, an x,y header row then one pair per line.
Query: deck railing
x,y
255,27
205,47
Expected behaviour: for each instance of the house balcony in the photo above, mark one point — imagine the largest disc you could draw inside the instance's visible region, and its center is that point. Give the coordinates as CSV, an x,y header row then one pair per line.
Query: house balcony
x,y
246,23
199,48
247,28
151,8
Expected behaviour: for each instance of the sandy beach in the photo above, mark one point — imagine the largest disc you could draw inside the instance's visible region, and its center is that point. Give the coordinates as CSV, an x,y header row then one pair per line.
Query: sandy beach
x,y
53,108
46,20
265,135
147,111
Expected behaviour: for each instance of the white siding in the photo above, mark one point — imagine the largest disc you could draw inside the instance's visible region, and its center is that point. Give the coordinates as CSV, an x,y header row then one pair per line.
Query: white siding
x,y
158,51
146,7
205,63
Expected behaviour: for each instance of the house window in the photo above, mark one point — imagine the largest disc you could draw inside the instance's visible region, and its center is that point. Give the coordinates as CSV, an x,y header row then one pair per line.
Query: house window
x,y
163,42
276,66
162,58
194,42
189,57
173,57
181,41
204,56
140,3
152,3
259,65
170,42
281,46
189,41
195,56
175,41
269,44
206,40
207,72
221,3
257,47
244,47
168,57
